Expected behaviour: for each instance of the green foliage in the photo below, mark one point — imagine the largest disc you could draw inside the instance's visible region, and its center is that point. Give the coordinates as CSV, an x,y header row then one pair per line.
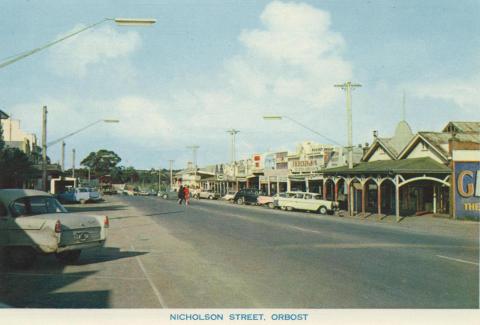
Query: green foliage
x,y
15,167
101,162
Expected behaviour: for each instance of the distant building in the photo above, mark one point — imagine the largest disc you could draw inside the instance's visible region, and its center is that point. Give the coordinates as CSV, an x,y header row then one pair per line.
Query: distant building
x,y
15,137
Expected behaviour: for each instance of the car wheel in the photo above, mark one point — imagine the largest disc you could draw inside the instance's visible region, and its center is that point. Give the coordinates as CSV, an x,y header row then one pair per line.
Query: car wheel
x,y
210,197
240,201
165,196
68,256
271,205
289,209
322,210
21,257
82,201
283,208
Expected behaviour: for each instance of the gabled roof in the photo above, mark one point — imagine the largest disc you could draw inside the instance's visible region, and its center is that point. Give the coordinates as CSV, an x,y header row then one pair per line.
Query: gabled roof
x,y
462,127
379,142
3,115
436,139
394,145
425,165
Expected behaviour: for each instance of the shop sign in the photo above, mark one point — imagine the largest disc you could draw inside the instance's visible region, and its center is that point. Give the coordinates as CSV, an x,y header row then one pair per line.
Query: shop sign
x,y
304,166
467,190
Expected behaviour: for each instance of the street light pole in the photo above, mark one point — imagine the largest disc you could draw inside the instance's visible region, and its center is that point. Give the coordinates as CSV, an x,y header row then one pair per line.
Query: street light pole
x,y
233,133
347,86
44,149
63,156
171,172
73,163
194,151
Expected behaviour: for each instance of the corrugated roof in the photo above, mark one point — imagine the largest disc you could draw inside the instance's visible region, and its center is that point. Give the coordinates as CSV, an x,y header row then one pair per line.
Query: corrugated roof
x,y
438,138
424,165
463,127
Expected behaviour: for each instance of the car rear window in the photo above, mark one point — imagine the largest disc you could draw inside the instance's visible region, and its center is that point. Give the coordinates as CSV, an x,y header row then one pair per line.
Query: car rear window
x,y
36,205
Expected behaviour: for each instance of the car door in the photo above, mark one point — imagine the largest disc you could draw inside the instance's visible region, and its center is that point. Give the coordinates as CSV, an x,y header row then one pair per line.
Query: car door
x,y
308,203
299,201
3,225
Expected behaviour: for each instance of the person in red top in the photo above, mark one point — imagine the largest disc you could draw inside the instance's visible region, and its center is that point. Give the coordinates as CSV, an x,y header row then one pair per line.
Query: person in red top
x,y
186,193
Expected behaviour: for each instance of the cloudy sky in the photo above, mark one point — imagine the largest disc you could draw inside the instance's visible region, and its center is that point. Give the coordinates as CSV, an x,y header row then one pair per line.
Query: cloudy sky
x,y
208,66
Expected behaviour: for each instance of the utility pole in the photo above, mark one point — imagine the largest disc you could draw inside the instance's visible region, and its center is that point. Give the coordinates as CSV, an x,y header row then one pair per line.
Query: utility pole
x,y
347,86
194,151
44,149
233,133
73,163
63,156
171,173
159,177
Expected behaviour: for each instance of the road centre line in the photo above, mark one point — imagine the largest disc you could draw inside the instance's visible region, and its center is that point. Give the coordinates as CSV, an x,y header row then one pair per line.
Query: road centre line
x,y
152,285
456,259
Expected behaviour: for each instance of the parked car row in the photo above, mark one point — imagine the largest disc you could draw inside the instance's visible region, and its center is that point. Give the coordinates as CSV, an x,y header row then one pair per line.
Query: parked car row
x,y
286,201
79,195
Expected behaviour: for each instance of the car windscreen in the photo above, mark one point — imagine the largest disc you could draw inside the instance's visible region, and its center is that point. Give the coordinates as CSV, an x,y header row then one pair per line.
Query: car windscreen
x,y
35,205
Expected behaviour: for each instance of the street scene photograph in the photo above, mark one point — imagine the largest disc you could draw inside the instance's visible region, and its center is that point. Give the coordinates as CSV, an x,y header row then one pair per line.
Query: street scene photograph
x,y
240,161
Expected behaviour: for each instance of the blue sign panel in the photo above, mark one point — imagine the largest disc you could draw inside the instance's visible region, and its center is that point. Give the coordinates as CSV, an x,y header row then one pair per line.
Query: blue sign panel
x,y
467,190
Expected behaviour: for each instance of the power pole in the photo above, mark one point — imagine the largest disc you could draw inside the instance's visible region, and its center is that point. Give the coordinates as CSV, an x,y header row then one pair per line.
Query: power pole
x,y
171,173
159,177
347,86
73,163
63,156
194,151
44,149
233,133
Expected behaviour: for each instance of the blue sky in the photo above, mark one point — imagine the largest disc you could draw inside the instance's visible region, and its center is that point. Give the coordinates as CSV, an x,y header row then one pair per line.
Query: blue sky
x,y
208,66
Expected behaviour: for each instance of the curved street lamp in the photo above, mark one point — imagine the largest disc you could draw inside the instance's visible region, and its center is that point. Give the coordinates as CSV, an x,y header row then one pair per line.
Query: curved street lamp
x,y
14,58
79,130
119,21
281,117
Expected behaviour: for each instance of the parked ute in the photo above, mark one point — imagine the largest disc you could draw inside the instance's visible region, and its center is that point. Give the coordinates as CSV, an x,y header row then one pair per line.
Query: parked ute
x,y
208,194
304,201
34,222
80,195
246,195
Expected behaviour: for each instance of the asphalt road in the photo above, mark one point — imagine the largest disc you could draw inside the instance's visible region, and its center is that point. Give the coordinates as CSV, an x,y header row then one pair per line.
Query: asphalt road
x,y
219,255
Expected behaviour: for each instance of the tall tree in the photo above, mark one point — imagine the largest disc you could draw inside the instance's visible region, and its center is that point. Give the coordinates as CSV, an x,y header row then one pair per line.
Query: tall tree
x,y
2,143
101,162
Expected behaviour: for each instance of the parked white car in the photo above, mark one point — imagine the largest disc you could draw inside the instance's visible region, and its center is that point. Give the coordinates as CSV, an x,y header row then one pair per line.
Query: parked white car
x,y
304,201
34,222
229,196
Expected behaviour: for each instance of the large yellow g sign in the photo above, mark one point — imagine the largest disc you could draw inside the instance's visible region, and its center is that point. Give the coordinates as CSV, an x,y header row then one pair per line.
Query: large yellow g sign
x,y
461,182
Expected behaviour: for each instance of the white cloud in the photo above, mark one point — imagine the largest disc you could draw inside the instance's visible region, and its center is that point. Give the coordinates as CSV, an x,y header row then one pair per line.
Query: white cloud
x,y
287,67
101,45
464,93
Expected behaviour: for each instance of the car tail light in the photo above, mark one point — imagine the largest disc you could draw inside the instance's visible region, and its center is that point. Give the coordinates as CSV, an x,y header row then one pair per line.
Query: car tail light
x,y
106,222
58,227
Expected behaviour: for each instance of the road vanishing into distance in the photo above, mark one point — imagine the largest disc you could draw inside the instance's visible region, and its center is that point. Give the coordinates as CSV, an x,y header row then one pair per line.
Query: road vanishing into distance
x,y
214,254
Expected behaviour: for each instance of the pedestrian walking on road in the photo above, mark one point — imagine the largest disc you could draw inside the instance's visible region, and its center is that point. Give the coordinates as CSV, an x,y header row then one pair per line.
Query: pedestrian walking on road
x,y
181,194
186,194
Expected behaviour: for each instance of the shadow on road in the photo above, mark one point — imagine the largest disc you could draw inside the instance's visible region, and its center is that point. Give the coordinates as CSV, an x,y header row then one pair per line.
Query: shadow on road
x,y
93,208
42,285
34,290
